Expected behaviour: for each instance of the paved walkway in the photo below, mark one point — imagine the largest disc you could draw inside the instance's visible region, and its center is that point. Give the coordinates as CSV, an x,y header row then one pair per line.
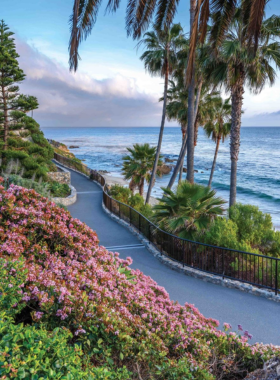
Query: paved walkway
x,y
257,315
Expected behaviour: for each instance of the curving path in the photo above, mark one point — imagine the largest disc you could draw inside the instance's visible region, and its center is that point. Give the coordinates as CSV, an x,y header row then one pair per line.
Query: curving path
x,y
257,315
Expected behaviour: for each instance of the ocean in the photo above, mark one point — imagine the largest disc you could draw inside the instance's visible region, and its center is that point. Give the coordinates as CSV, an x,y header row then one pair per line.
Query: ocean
x,y
258,165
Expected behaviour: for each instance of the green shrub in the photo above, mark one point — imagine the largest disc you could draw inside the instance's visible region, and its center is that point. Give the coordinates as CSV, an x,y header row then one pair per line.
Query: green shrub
x,y
27,352
120,193
40,188
59,189
125,195
253,225
12,276
14,154
222,232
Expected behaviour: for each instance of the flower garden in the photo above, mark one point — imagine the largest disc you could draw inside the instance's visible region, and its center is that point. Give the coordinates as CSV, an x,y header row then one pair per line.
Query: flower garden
x,y
72,310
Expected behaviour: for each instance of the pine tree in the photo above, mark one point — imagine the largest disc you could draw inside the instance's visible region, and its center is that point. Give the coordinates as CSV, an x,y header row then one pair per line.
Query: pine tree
x,y
28,103
10,76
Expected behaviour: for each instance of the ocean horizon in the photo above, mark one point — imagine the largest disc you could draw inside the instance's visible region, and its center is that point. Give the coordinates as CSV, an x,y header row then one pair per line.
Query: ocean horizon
x,y
258,182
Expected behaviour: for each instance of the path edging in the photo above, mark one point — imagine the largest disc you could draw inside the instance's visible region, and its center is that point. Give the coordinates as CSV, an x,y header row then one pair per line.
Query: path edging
x,y
72,198
247,288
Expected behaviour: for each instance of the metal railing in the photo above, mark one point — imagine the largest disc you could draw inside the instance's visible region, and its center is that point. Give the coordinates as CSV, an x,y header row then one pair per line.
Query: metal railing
x,y
251,268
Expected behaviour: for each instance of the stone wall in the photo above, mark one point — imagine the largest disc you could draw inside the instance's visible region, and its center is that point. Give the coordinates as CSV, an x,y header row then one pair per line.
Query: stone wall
x,y
61,177
68,200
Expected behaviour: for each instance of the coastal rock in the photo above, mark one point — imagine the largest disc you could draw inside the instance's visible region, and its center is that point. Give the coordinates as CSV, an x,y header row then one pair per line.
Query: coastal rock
x,y
73,147
270,371
169,159
164,169
103,171
196,171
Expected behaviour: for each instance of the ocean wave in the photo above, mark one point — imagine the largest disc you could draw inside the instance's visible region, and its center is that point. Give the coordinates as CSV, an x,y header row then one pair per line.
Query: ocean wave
x,y
247,191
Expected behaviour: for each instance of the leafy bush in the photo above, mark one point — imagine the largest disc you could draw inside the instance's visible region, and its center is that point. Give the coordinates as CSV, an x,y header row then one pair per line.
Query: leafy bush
x,y
31,352
46,189
12,276
59,189
253,225
126,196
41,188
120,193
93,314
27,144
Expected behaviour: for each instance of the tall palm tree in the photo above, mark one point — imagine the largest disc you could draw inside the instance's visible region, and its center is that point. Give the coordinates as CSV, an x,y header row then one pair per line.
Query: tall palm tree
x,y
177,109
201,93
203,113
188,210
218,128
138,165
237,65
160,59
191,101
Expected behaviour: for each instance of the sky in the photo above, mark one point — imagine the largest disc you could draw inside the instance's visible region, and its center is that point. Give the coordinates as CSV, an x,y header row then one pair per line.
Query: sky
x,y
111,87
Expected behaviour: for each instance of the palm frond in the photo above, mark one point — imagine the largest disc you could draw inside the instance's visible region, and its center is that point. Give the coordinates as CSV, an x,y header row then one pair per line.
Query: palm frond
x,y
165,13
81,23
255,20
222,14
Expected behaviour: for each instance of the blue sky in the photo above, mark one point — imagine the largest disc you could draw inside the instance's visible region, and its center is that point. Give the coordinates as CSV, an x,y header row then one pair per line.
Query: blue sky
x,y
111,87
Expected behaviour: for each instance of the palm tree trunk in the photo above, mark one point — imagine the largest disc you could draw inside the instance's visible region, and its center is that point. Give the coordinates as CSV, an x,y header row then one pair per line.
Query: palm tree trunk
x,y
195,131
141,187
214,162
191,114
186,145
160,136
198,93
184,131
180,163
237,101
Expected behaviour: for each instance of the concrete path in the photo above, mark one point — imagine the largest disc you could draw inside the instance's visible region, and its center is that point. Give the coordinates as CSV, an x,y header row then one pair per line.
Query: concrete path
x,y
257,315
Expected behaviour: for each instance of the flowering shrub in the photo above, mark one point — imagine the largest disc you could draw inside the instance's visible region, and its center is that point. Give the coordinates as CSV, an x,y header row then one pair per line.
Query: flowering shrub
x,y
121,319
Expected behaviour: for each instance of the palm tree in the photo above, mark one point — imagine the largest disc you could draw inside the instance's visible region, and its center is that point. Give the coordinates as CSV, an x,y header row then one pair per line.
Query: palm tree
x,y
219,127
160,59
177,109
188,210
139,14
237,65
139,164
224,10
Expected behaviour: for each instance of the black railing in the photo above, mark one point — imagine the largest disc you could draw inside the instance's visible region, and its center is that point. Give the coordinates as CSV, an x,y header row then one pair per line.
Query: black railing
x,y
251,268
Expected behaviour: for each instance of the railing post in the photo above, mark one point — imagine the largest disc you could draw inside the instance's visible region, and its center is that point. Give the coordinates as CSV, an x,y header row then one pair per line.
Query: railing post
x,y
184,252
149,233
130,215
119,210
276,277
223,264
139,224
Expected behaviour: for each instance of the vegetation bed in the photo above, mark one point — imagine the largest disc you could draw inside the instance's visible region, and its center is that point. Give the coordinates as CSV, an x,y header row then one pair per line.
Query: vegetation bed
x,y
85,314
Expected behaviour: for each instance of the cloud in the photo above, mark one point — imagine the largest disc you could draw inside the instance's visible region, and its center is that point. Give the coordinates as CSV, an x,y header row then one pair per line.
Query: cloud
x,y
125,97
68,99
263,119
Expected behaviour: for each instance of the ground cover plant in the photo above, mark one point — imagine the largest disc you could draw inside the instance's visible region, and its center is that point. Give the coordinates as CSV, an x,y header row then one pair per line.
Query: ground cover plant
x,y
86,314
